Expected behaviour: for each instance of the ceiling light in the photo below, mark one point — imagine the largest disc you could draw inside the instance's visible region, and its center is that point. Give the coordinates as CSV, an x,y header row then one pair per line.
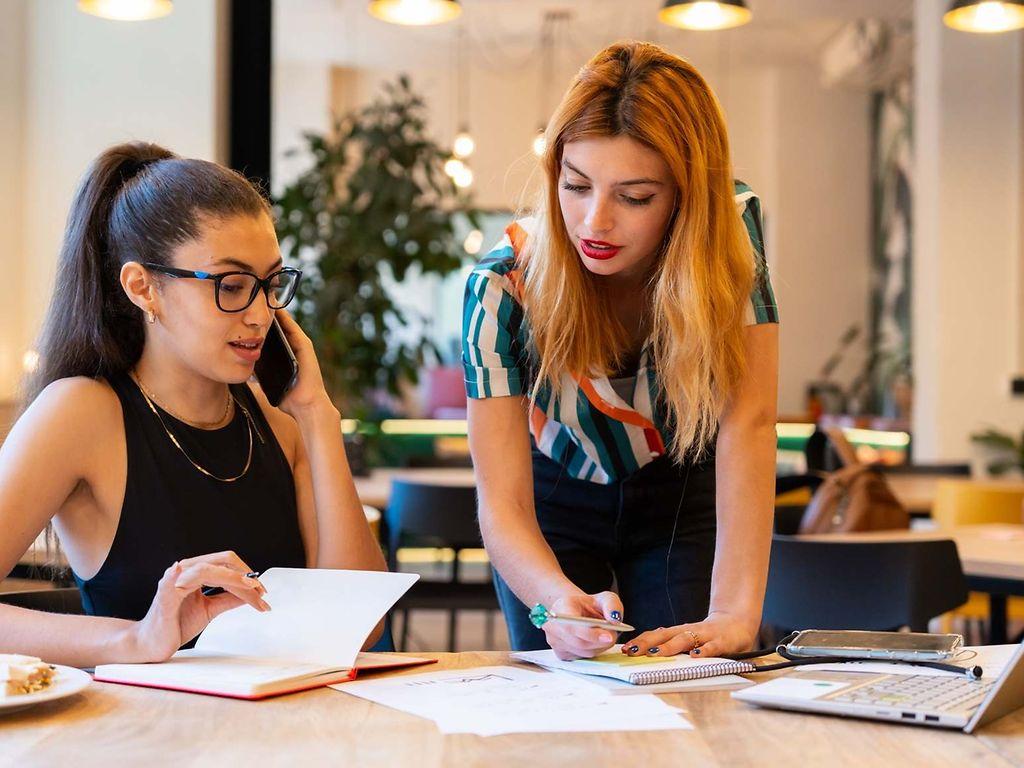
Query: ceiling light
x,y
464,145
704,14
474,242
453,167
415,12
464,178
540,143
126,10
987,16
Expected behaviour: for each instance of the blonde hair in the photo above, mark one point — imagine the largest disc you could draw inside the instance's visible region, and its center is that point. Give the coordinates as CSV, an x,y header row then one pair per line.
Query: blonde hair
x,y
701,283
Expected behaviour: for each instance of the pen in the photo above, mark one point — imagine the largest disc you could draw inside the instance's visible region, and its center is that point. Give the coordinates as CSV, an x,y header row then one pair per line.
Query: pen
x,y
539,616
211,591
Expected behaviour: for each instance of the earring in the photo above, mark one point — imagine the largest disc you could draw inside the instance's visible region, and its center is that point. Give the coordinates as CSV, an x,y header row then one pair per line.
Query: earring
x,y
150,317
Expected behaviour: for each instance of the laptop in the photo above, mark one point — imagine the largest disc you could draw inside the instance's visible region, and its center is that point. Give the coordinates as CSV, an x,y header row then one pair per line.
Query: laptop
x,y
939,701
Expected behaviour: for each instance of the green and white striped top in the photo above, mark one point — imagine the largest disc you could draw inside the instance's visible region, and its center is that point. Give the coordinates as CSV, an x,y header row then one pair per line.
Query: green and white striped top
x,y
589,429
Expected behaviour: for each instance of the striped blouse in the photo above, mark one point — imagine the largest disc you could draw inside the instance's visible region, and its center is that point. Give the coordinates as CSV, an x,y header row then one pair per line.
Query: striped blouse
x,y
589,429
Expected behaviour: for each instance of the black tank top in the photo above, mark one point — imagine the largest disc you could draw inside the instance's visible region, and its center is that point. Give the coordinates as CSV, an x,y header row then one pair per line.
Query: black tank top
x,y
172,511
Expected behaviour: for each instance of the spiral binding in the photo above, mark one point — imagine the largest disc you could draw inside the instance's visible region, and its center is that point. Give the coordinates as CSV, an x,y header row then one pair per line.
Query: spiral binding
x,y
696,672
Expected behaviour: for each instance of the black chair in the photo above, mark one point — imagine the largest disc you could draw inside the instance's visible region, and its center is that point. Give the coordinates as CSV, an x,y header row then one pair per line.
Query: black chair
x,y
788,516
877,585
64,600
421,514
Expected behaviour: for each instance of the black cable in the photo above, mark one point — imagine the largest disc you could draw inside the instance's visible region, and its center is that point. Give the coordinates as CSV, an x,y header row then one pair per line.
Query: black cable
x,y
671,543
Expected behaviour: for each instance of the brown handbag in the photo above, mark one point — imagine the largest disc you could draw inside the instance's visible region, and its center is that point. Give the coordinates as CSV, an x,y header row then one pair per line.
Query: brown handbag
x,y
854,498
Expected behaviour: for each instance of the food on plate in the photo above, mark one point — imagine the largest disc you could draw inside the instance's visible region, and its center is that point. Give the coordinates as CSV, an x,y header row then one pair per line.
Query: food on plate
x,y
23,674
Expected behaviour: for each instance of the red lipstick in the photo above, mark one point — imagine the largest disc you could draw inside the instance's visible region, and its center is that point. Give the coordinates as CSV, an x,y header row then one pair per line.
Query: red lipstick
x,y
598,249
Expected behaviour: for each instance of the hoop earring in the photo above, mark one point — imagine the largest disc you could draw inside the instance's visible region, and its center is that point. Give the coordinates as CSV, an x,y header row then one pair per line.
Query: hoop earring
x,y
150,317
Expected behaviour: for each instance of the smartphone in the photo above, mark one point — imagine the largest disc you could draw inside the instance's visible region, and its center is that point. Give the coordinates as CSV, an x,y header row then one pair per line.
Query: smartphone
x,y
902,646
277,369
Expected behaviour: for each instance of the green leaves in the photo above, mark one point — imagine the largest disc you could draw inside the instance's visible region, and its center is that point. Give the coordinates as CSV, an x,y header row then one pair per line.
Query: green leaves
x,y
375,194
1001,443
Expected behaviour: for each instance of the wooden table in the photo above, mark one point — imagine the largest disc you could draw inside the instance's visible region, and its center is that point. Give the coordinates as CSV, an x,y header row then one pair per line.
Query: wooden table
x,y
992,557
916,492
109,725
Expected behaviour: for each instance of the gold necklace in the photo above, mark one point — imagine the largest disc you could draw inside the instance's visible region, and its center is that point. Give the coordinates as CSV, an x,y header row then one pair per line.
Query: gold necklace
x,y
197,424
248,421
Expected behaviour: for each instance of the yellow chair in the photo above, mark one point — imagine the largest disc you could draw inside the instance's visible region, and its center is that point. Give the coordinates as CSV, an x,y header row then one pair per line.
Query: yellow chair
x,y
977,502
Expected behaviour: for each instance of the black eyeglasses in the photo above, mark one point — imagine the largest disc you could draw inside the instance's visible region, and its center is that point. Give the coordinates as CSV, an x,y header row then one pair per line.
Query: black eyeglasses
x,y
235,291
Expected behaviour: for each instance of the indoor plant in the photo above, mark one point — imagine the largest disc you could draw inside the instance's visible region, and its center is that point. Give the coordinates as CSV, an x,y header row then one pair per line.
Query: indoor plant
x,y
374,205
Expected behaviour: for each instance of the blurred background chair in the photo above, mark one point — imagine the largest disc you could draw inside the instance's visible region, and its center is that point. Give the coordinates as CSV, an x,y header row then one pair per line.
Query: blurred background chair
x,y
792,495
63,600
444,516
978,502
860,585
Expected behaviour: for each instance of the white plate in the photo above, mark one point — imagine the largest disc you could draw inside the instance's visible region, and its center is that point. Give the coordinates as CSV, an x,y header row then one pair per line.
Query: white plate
x,y
67,681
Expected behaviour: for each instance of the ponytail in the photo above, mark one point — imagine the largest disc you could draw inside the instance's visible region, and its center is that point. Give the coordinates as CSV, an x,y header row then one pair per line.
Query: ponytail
x,y
136,202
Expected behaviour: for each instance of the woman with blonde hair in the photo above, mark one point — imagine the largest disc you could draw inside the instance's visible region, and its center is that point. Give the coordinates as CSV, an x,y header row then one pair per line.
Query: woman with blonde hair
x,y
621,357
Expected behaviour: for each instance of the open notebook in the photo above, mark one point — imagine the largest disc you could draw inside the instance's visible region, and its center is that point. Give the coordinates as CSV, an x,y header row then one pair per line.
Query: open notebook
x,y
319,619
639,670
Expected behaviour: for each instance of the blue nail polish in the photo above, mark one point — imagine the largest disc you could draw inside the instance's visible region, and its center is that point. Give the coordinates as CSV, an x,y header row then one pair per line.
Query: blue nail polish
x,y
652,651
633,648
616,616
696,651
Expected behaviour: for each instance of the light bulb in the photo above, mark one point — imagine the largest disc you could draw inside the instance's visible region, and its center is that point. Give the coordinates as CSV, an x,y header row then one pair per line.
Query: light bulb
x,y
30,361
415,12
126,10
987,17
463,178
474,242
463,145
540,143
705,15
453,166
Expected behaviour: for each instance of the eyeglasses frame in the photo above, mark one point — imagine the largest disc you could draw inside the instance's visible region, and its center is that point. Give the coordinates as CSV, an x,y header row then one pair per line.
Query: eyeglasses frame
x,y
218,277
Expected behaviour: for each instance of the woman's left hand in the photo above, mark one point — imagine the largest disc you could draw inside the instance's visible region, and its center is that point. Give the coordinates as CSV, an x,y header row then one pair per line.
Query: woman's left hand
x,y
720,633
309,388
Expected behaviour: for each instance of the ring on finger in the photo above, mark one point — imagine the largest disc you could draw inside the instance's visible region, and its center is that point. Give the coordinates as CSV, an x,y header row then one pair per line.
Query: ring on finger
x,y
693,638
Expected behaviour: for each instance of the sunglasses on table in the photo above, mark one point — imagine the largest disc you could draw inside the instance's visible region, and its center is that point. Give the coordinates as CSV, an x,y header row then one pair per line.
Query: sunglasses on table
x,y
235,291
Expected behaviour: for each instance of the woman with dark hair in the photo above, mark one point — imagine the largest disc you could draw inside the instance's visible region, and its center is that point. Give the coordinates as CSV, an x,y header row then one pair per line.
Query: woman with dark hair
x,y
160,468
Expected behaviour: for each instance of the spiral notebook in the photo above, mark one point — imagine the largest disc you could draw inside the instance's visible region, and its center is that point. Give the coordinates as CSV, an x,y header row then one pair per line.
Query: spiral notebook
x,y
639,670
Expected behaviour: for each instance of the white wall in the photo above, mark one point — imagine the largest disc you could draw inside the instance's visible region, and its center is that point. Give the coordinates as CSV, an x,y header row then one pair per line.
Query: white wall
x,y
89,83
967,235
803,148
820,214
13,260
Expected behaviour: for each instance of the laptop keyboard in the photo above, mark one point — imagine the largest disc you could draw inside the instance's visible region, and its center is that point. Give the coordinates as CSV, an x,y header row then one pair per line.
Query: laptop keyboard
x,y
922,692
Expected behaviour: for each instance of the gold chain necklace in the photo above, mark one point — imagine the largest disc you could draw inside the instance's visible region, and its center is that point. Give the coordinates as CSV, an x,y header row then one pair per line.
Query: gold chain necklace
x,y
248,421
220,422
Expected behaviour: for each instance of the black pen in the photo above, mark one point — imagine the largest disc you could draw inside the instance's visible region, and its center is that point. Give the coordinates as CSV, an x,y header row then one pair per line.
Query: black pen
x,y
211,591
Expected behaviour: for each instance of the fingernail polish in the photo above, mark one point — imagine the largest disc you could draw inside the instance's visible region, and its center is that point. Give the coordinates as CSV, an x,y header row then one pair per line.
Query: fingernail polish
x,y
633,648
616,616
652,651
696,651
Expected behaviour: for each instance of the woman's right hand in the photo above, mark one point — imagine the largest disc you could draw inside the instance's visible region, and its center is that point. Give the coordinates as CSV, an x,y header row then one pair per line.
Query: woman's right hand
x,y
574,641
180,610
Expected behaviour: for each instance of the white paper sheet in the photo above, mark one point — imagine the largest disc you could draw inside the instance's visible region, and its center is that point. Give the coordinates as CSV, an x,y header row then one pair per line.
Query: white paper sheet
x,y
317,616
488,701
991,658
